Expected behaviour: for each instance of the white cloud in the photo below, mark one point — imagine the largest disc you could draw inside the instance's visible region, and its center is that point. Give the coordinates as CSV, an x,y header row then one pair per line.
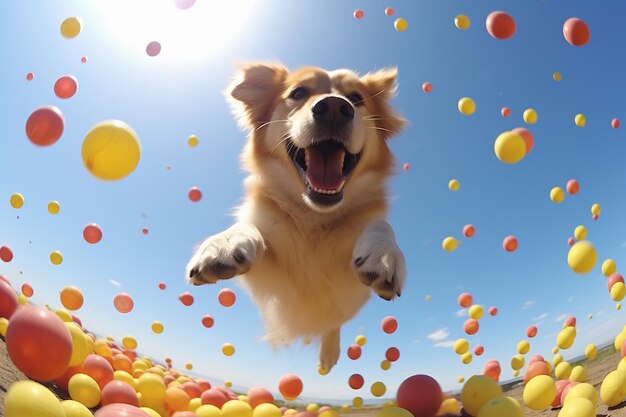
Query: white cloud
x,y
569,300
445,344
528,304
439,334
561,318
624,245
461,313
540,317
115,283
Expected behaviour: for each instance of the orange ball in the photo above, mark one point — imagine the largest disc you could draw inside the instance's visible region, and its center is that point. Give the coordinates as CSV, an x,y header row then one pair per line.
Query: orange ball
x,y
354,351
389,324
99,369
176,399
38,343
576,32
471,326
226,297
186,298
258,396
27,290
572,186
465,300
119,392
500,25
8,300
290,386
122,362
510,243
72,298
531,331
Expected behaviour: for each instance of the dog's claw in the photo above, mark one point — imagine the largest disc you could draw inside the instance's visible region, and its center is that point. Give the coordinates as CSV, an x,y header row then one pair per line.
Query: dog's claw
x,y
399,293
385,297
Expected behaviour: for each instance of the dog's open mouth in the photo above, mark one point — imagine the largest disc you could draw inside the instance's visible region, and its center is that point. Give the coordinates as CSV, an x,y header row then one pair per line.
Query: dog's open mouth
x,y
325,168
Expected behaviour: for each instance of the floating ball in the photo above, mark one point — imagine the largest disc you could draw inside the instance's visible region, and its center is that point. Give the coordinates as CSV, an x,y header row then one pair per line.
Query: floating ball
x,y
258,396
466,358
16,200
157,327
471,326
454,185
193,141
153,48
389,324
465,300
469,230
572,186
529,140
618,291
467,106
500,25
401,24
228,349
615,123
361,340
510,243
576,32
30,399
479,350
614,278
56,257
462,22
476,311
45,125
461,346
580,233
111,150
406,166
27,290
65,87
194,194
478,391
6,254
580,390
184,4
510,147
186,299
501,406
420,395
354,351
123,303
83,60
578,374
389,11
580,120
356,381
517,362
85,390
54,207
578,407
582,257
556,76
539,392
595,209
226,297
562,369
392,354
565,338
207,321
290,386
450,244
71,27
557,195
30,76
378,389
608,267
92,233
505,112
613,388
534,369
523,347
530,116
358,14
427,87
72,298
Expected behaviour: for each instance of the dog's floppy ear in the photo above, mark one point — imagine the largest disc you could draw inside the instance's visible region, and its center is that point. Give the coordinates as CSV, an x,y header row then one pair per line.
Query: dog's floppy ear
x,y
254,91
381,87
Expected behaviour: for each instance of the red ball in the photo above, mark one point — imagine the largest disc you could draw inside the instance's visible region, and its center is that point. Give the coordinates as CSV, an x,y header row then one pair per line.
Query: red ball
x,y
290,386
510,243
531,331
92,233
566,390
469,230
529,140
615,123
186,298
358,14
427,87
389,11
500,25
420,395
479,350
613,278
392,354
99,369
465,300
493,311
27,290
8,300
30,76
207,321
6,254
162,286
119,392
471,326
354,351
595,217
45,125
38,343
83,60
572,186
226,297
192,389
66,86
406,166
576,32
120,410
195,194
560,386
258,396
570,321
389,324
505,112
356,381
571,241
203,384
123,303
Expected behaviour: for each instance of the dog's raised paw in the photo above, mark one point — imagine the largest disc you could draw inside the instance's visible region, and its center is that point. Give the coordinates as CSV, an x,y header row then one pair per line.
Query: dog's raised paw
x,y
380,265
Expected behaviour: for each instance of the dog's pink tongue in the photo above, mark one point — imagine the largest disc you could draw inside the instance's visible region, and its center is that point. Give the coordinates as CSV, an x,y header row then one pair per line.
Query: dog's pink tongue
x,y
324,168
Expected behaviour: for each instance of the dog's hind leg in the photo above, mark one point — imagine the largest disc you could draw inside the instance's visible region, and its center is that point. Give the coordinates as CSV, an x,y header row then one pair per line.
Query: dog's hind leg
x,y
226,254
330,349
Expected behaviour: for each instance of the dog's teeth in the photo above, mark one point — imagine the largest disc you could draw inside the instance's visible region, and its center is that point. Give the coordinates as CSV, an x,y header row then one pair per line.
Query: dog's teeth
x,y
306,158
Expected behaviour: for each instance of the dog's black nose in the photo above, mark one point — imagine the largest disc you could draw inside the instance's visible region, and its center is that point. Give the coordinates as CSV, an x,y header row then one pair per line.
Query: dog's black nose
x,y
333,110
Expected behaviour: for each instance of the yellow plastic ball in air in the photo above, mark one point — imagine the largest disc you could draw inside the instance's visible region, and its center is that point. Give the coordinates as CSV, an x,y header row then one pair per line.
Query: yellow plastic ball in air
x,y
580,120
192,141
618,306
539,392
555,350
454,184
85,390
357,402
461,346
579,407
462,22
510,147
580,233
236,408
476,311
523,347
583,390
591,351
71,27
56,257
385,365
129,342
466,358
378,389
16,200
401,24
501,406
618,291
595,209
582,257
467,106
361,340
111,150
157,327
450,244
530,116
565,338
477,391
28,398
557,195
613,388
54,207
517,362
557,76
460,379
608,267
228,349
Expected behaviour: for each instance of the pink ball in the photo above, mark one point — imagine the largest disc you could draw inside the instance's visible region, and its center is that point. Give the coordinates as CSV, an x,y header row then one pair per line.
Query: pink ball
x,y
570,321
500,25
566,390
92,233
153,48
119,392
30,76
421,395
576,32
226,297
358,14
195,194
469,230
8,300
214,397
572,186
66,86
45,125
354,351
83,60
613,278
184,4
571,241
615,123
406,166
389,11
392,354
536,358
123,303
510,243
492,369
505,112
560,386
479,350
493,311
389,324
120,410
531,331
427,87
529,140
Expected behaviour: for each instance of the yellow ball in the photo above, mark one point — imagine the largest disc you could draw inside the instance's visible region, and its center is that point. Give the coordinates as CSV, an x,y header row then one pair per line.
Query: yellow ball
x,y
578,374
322,371
151,387
595,209
188,366
583,390
129,342
56,257
462,22
618,306
157,327
580,120
608,267
590,316
378,389
269,410
454,185
30,399
579,407
357,402
556,76
194,404
385,365
192,141
208,410
530,116
591,351
450,244
111,150
618,291
515,374
228,384
619,339
75,409
22,299
79,344
613,388
461,346
523,347
102,348
328,413
557,195
71,27
539,392
312,408
228,349
555,350
510,147
236,408
85,390
476,311
565,338
54,207
4,323
466,358
125,377
16,200
449,406
401,24
517,362
467,106
582,257
460,379
361,340
580,233
500,407
393,412
477,391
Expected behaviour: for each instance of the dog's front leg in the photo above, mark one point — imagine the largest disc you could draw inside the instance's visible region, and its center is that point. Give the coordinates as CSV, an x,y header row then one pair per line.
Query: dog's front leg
x,y
329,350
226,254
378,260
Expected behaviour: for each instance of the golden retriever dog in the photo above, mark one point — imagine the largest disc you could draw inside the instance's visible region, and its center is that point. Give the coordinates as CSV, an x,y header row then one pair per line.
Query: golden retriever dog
x,y
310,239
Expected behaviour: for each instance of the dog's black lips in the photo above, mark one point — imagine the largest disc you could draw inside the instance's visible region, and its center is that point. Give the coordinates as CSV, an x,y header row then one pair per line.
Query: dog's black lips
x,y
299,159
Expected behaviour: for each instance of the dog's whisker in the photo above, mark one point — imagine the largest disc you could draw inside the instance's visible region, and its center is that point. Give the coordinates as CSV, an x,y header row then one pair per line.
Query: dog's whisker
x,y
270,122
380,128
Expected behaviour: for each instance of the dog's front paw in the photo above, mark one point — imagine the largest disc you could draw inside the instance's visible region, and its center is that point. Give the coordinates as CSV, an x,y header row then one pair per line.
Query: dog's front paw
x,y
380,264
224,255
329,351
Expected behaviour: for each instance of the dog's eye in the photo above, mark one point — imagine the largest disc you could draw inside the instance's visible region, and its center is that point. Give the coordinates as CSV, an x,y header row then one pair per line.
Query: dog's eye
x,y
299,93
356,99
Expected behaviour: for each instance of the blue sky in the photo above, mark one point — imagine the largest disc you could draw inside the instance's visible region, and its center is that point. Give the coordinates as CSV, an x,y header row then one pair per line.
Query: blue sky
x,y
179,92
